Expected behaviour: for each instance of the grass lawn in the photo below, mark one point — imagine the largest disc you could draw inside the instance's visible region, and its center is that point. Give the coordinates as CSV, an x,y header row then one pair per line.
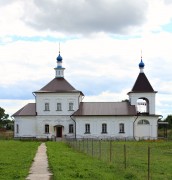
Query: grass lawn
x,y
68,164
16,158
135,154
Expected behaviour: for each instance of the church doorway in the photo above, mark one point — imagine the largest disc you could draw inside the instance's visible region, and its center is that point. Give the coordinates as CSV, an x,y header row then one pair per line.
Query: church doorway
x,y
59,130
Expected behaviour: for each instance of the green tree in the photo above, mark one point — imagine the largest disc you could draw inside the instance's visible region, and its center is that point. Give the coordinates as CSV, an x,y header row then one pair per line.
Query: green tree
x,y
169,120
3,118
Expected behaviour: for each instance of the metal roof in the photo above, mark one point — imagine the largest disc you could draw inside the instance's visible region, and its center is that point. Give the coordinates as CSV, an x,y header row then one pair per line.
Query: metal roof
x,y
105,109
27,110
58,85
142,84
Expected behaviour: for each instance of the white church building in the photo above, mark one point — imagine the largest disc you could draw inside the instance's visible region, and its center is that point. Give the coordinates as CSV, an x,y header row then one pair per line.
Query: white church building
x,y
59,112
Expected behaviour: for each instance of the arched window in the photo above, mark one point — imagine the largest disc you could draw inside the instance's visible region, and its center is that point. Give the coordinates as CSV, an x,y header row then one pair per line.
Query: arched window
x,y
104,128
145,122
46,128
87,128
47,107
121,128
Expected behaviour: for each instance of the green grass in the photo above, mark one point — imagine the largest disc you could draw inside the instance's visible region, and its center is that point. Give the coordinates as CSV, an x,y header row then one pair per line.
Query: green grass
x,y
68,164
16,158
136,156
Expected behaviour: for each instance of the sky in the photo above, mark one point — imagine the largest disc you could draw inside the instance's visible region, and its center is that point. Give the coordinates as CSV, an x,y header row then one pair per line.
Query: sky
x,y
100,42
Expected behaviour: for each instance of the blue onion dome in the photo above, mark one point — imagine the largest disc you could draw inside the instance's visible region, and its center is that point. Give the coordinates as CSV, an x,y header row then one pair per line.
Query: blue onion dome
x,y
141,64
59,58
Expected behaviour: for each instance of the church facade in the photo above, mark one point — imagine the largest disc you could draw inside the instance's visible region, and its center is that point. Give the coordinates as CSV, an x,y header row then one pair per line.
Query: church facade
x,y
59,112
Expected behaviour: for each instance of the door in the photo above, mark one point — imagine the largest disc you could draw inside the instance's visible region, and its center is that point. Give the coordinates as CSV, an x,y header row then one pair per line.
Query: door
x,y
59,131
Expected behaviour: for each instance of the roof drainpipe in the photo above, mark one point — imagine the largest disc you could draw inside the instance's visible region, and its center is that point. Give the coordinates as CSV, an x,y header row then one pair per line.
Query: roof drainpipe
x,y
35,102
74,119
134,127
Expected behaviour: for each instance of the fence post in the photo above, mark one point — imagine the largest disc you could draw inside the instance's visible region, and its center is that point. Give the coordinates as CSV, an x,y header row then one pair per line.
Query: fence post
x,y
75,143
92,148
100,150
87,145
125,157
79,145
110,151
148,162
83,145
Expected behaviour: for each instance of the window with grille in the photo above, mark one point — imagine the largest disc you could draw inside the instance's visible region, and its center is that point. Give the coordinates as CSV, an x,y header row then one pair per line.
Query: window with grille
x,y
59,106
46,128
47,108
144,122
104,128
87,128
121,128
70,128
70,106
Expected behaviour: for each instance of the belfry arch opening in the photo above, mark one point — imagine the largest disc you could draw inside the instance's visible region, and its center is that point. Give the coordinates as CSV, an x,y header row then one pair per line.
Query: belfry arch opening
x,y
143,106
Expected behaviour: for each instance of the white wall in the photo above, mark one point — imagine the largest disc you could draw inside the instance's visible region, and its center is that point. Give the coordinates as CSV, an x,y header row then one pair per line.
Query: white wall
x,y
112,126
150,96
146,131
27,126
53,99
53,121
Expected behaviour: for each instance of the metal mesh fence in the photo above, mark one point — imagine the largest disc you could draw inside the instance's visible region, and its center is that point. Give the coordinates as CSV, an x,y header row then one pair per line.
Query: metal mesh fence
x,y
153,160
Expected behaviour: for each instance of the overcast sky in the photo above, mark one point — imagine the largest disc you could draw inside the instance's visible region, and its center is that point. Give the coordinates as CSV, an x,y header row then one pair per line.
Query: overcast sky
x,y
100,42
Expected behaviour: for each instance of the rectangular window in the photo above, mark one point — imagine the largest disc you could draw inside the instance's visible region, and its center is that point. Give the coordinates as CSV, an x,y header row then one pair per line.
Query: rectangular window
x,y
17,128
104,128
46,128
70,128
47,107
70,106
59,106
87,128
121,128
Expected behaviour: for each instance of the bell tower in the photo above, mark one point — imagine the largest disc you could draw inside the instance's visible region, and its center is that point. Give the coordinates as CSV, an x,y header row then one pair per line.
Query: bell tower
x,y
142,94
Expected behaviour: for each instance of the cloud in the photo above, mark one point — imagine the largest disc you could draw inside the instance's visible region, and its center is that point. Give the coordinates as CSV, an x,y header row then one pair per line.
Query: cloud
x,y
85,16
11,106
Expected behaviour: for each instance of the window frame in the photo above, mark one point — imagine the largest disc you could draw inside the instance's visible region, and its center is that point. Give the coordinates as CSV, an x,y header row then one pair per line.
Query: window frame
x,y
121,128
71,106
47,106
104,128
17,128
59,106
47,129
71,128
87,128
143,122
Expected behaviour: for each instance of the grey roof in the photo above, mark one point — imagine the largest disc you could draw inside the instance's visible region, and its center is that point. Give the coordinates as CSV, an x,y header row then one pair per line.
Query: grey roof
x,y
58,85
105,109
27,110
142,84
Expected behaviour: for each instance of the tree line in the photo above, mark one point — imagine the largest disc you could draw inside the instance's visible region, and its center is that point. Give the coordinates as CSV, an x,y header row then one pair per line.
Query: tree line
x,y
5,122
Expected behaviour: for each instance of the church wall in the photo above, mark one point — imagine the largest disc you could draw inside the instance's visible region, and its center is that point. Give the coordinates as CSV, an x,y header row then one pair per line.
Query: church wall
x,y
53,121
53,99
112,126
26,126
146,131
